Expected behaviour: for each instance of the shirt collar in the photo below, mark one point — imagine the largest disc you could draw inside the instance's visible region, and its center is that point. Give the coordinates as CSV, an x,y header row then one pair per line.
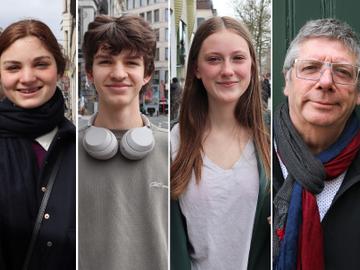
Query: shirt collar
x,y
46,139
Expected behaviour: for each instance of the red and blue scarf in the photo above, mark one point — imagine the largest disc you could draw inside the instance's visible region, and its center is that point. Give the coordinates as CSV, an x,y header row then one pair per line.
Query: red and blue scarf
x,y
300,237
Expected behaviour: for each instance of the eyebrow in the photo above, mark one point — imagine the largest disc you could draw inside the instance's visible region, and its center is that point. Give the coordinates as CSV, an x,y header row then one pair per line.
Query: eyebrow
x,y
220,53
128,57
102,56
39,58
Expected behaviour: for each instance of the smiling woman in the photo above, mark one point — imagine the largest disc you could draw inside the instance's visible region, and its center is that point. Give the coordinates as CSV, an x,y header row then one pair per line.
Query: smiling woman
x,y
37,146
221,159
28,80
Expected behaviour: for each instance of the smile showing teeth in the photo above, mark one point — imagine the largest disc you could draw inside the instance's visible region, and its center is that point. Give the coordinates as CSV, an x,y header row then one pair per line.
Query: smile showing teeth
x,y
29,90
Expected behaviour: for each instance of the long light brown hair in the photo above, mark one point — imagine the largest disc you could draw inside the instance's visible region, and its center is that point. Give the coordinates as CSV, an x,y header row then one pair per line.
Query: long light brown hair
x,y
194,109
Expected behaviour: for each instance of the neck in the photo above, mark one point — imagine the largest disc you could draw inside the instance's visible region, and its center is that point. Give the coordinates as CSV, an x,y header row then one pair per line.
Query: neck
x,y
319,139
222,117
120,118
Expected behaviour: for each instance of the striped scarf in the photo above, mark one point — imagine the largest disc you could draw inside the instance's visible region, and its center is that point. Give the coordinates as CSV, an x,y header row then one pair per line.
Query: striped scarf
x,y
297,235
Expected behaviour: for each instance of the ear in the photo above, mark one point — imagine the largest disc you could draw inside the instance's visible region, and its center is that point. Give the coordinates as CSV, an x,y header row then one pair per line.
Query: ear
x,y
358,98
146,79
287,75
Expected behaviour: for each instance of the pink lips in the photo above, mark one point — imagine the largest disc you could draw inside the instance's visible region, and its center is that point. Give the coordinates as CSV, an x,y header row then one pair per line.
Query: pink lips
x,y
322,104
118,87
29,90
228,83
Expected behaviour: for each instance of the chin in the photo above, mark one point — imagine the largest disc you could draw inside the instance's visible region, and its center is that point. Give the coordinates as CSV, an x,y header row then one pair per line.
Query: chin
x,y
321,121
29,104
230,99
119,102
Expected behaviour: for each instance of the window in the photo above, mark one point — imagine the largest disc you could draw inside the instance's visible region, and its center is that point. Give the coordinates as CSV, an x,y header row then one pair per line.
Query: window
x,y
166,76
166,14
156,15
143,3
142,15
199,21
156,78
129,4
157,34
136,3
149,16
166,53
157,54
166,34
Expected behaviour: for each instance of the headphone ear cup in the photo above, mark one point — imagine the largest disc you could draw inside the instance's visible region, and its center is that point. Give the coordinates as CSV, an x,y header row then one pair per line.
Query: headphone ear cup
x,y
100,143
137,143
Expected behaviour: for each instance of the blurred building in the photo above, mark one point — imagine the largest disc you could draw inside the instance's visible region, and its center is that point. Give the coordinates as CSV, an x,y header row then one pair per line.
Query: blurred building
x,y
204,11
68,28
182,28
156,12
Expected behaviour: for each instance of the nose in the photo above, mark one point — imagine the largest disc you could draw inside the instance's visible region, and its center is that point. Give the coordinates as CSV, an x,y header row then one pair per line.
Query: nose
x,y
326,78
118,72
227,69
27,75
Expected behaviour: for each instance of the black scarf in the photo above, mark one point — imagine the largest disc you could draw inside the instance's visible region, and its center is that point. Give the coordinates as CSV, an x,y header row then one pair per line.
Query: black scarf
x,y
31,123
20,195
295,153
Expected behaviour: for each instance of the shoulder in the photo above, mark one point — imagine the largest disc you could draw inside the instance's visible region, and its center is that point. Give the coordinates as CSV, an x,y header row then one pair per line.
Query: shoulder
x,y
67,127
66,133
161,143
81,132
175,139
175,133
160,134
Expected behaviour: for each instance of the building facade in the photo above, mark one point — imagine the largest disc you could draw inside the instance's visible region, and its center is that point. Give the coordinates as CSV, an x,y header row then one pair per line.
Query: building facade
x,y
156,12
68,82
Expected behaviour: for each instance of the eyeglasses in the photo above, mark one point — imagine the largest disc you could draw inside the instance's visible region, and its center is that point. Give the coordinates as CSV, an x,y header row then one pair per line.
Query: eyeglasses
x,y
313,70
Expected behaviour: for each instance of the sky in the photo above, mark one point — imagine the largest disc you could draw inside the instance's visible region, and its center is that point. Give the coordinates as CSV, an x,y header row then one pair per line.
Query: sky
x,y
224,7
48,11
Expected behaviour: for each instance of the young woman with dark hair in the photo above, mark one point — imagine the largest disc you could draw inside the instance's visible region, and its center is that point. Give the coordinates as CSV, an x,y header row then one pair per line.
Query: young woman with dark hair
x,y
37,146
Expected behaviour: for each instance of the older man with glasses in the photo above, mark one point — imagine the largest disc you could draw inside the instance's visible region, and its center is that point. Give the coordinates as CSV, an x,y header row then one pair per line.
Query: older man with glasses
x,y
316,174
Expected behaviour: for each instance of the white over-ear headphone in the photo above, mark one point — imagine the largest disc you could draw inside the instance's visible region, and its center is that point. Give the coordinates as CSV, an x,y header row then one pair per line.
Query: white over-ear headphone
x,y
101,143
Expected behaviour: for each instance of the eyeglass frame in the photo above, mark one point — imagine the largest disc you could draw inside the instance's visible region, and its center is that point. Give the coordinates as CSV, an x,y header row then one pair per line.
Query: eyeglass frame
x,y
328,64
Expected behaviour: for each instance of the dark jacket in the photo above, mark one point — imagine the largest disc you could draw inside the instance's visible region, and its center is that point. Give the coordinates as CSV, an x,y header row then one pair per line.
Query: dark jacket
x,y
259,256
341,223
55,245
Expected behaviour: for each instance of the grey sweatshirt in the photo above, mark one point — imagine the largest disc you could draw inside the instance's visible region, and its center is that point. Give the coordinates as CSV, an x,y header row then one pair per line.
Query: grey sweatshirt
x,y
123,209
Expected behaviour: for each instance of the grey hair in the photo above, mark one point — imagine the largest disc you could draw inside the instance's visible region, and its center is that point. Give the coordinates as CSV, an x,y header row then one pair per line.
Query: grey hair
x,y
323,28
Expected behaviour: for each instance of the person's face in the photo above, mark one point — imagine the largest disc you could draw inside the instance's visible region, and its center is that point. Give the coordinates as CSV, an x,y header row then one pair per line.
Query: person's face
x,y
321,103
224,66
28,73
118,79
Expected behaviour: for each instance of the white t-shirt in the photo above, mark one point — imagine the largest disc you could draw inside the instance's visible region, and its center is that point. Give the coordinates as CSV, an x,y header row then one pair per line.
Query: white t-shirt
x,y
220,211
